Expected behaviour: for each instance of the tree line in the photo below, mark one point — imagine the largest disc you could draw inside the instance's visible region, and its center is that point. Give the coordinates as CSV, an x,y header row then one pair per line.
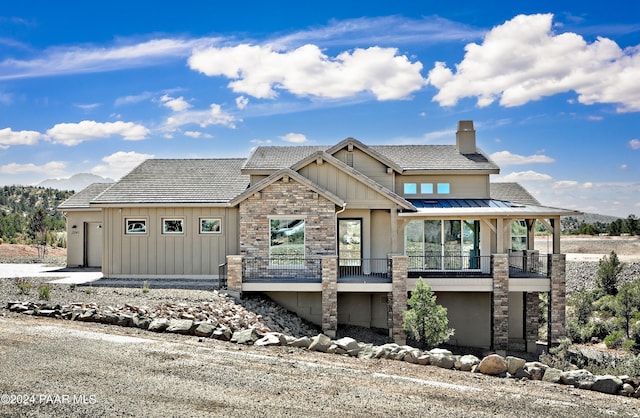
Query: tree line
x,y
28,215
628,226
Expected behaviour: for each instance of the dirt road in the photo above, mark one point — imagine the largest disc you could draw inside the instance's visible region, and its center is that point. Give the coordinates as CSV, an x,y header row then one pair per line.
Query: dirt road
x,y
61,368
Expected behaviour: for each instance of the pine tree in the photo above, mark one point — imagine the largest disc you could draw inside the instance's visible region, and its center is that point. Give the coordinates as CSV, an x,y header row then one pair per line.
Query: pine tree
x,y
607,276
426,321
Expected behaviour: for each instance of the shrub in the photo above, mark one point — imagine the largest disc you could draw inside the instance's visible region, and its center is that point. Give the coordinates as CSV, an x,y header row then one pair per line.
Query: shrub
x,y
582,304
145,287
24,285
629,345
426,321
44,291
615,339
607,276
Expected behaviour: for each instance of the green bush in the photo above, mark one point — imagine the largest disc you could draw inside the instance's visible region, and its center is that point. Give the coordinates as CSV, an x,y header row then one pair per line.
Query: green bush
x,y
426,321
24,285
44,291
615,339
581,303
629,345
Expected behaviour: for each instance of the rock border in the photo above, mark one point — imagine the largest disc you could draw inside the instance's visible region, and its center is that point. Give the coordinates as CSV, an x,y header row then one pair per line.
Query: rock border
x,y
248,330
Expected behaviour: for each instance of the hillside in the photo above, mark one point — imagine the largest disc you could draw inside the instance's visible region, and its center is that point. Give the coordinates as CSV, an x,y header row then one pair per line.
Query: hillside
x,y
75,183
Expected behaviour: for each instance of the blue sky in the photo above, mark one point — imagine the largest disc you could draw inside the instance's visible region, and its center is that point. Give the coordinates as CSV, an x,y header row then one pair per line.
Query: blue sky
x,y
553,87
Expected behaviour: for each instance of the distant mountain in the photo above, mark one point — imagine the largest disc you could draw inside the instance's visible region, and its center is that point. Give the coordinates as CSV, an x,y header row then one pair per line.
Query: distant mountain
x,y
76,182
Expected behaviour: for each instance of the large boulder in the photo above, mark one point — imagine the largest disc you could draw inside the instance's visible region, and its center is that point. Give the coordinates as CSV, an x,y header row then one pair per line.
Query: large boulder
x,y
607,384
180,326
320,343
493,364
349,345
466,362
245,336
552,375
514,364
575,377
204,329
302,342
271,338
158,324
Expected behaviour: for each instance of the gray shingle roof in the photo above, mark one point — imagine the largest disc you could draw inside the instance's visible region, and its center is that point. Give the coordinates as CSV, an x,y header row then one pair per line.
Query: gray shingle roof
x,y
512,192
434,157
276,158
179,181
408,157
81,199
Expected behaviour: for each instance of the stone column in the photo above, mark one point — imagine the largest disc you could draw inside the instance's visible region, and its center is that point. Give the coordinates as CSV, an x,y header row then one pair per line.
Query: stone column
x,y
234,273
558,295
500,302
330,295
532,311
399,297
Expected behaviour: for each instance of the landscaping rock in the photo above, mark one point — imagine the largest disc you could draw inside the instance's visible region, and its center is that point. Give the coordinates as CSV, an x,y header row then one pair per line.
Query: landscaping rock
x,y
607,384
552,375
180,326
245,336
270,339
302,342
204,329
158,325
320,343
443,360
493,364
575,377
466,362
514,364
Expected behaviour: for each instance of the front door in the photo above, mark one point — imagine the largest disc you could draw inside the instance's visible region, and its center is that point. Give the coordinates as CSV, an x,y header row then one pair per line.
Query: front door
x,y
350,245
93,244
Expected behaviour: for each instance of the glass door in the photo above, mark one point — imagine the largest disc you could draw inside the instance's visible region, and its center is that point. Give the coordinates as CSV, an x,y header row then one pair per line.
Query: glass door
x,y
350,242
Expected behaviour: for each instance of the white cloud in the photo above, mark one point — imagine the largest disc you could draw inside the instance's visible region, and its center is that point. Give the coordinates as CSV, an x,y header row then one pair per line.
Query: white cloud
x,y
518,176
54,168
176,104
6,98
203,118
9,138
137,98
260,70
634,144
623,166
518,62
197,134
294,138
260,141
241,102
94,59
120,163
75,133
595,118
504,158
563,184
88,106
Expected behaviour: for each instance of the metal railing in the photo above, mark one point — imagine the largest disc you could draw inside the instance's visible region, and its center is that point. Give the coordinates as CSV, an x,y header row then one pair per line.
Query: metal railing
x,y
449,262
283,268
222,276
529,263
365,268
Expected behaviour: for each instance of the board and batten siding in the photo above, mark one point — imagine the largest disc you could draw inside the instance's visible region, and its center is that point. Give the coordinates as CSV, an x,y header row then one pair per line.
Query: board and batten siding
x,y
462,186
355,192
368,166
190,254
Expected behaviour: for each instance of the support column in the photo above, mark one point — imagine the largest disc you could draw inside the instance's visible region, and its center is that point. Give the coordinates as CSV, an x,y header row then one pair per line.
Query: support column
x,y
532,312
330,295
399,298
234,273
558,295
500,302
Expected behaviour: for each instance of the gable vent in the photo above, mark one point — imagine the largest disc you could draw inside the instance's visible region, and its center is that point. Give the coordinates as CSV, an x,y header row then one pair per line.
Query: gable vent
x,y
349,159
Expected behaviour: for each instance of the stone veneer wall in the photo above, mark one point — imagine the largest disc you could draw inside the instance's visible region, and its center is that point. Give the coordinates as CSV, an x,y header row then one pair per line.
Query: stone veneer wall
x,y
399,297
234,273
330,295
558,296
500,302
287,198
532,310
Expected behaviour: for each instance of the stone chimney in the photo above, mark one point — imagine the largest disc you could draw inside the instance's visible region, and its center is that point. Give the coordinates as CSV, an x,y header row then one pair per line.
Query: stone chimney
x,y
466,137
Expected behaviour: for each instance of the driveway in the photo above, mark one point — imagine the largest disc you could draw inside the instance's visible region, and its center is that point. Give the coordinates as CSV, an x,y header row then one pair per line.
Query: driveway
x,y
56,273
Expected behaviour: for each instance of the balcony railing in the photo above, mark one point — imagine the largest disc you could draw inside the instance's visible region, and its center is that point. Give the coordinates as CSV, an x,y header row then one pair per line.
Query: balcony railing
x,y
364,270
282,269
529,264
449,264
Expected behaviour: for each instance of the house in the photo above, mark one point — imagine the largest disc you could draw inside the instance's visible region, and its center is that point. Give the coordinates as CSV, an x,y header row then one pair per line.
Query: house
x,y
339,234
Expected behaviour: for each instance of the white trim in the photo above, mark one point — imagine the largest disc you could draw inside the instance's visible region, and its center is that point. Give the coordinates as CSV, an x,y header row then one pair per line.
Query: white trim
x,y
365,287
281,287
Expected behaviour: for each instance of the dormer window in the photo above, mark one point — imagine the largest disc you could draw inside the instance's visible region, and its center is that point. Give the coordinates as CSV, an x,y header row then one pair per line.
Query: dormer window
x,y
426,188
444,188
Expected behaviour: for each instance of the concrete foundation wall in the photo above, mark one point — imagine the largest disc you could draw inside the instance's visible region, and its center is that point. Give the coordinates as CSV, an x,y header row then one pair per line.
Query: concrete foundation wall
x,y
470,315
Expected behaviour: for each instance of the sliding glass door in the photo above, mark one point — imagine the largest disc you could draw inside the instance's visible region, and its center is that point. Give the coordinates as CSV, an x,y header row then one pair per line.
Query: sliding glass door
x,y
443,244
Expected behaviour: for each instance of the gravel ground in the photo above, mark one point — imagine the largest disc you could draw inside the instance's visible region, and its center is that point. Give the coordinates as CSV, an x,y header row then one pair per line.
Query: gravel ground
x,y
63,368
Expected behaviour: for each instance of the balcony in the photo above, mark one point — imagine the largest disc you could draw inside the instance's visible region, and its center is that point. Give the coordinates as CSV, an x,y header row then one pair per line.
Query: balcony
x,y
364,270
436,264
282,269
529,264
